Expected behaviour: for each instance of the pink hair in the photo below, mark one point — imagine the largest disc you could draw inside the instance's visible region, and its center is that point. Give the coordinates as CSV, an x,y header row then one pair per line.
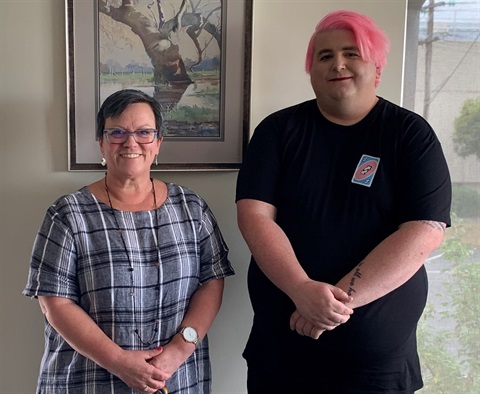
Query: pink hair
x,y
372,42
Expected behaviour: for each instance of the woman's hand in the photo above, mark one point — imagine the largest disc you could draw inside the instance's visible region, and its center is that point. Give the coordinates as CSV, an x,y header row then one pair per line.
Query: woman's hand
x,y
134,368
84,335
173,355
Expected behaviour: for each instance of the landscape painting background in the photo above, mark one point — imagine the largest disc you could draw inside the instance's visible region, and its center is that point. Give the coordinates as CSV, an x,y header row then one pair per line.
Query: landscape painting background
x,y
170,49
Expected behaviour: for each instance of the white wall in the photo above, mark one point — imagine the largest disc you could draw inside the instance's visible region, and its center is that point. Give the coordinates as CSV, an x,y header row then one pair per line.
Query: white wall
x,y
33,160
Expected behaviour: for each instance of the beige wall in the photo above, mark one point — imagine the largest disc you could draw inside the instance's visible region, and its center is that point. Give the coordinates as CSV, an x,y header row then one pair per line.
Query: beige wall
x,y
281,32
33,160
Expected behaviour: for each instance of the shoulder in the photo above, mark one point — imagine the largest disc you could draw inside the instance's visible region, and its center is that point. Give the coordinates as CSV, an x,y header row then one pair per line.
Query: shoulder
x,y
68,207
187,203
297,110
287,122
65,209
389,109
404,123
182,194
77,198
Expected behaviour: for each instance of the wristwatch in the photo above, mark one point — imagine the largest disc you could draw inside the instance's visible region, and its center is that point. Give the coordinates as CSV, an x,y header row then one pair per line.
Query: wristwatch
x,y
189,334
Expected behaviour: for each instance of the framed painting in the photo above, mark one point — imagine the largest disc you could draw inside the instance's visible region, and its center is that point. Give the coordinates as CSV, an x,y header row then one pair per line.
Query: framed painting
x,y
193,56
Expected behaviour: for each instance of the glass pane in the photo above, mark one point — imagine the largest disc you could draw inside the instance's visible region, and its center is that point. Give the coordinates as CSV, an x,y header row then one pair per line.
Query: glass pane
x,y
442,83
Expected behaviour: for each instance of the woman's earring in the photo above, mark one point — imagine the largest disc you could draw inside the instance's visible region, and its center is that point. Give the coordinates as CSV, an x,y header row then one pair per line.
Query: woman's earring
x,y
156,160
103,162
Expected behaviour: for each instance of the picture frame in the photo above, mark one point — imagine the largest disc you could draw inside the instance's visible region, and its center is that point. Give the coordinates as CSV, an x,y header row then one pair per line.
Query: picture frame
x,y
223,151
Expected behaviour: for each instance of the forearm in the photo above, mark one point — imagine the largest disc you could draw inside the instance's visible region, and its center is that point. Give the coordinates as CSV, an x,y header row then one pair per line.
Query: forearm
x,y
320,303
270,246
80,331
393,262
203,308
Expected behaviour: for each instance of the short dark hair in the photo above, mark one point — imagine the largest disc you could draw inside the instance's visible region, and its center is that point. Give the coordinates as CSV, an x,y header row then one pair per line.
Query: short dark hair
x,y
116,103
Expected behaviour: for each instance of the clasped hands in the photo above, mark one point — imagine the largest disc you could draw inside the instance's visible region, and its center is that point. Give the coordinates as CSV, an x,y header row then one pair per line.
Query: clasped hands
x,y
320,307
149,370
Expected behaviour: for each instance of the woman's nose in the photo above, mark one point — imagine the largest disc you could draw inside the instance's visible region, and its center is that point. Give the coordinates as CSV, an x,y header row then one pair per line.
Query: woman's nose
x,y
130,141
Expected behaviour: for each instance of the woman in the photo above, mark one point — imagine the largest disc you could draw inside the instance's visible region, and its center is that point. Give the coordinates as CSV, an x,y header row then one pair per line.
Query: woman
x,y
128,271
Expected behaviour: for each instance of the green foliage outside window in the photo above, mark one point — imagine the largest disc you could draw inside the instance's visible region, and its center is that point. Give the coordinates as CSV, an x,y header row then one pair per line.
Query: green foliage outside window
x,y
466,201
451,357
466,137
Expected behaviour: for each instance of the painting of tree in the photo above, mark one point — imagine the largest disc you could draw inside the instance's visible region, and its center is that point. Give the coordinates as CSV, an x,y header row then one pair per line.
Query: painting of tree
x,y
172,50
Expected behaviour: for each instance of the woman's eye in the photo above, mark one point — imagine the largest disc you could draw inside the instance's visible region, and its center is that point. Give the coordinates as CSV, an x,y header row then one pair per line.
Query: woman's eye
x,y
117,133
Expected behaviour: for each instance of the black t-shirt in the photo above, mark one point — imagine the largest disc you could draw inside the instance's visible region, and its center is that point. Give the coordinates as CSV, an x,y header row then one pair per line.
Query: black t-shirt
x,y
340,191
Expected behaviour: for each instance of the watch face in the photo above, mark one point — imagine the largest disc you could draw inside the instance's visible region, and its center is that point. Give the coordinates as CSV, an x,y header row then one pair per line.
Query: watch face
x,y
190,334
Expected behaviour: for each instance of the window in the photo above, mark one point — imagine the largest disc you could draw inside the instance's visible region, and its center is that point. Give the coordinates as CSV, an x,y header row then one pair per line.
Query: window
x,y
442,83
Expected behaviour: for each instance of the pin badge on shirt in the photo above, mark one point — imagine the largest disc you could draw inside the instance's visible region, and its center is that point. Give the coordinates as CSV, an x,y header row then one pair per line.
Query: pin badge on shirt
x,y
366,170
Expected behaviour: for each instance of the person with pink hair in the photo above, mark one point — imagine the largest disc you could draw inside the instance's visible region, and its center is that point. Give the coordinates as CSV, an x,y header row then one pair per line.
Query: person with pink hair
x,y
340,200
371,41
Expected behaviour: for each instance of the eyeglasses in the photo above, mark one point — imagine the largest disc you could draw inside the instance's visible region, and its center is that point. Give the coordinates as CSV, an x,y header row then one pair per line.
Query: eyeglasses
x,y
119,136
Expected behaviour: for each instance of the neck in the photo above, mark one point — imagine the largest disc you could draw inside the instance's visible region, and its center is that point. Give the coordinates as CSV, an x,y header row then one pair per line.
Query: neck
x,y
131,195
346,113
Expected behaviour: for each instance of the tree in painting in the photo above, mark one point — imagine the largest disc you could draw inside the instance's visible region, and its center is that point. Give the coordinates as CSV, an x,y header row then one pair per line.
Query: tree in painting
x,y
181,45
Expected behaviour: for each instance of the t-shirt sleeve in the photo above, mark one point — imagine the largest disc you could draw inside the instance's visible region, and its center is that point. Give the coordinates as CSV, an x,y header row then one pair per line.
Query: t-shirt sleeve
x,y
424,181
213,249
259,175
53,263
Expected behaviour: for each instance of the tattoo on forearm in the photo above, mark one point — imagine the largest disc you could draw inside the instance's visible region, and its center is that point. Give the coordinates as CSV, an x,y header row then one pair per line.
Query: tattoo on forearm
x,y
435,225
356,275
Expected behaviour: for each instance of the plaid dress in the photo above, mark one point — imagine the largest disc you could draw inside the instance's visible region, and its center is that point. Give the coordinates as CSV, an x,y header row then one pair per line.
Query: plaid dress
x,y
80,254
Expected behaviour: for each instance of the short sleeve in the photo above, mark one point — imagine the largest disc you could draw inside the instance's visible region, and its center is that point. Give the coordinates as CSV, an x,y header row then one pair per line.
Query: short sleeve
x,y
213,250
259,175
424,179
53,263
